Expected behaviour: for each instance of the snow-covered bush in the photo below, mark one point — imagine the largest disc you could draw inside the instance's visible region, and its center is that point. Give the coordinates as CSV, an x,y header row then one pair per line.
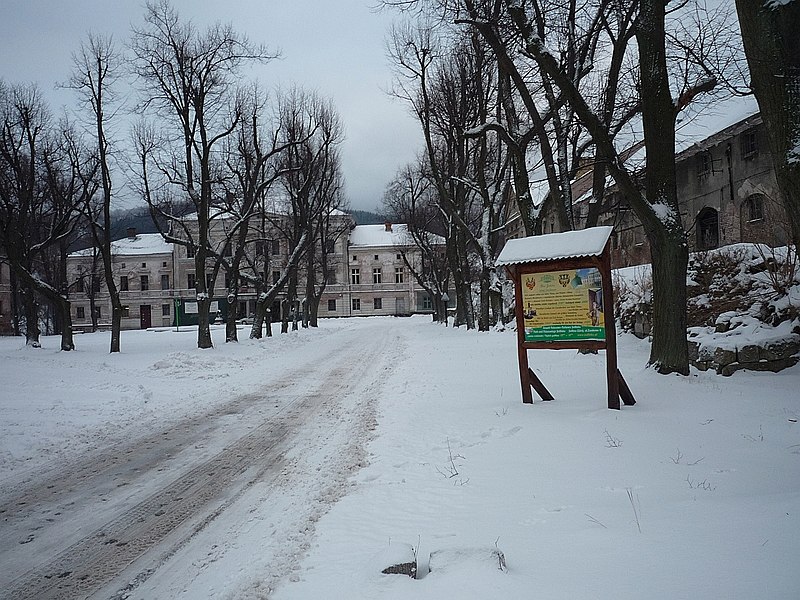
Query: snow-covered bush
x,y
723,285
633,296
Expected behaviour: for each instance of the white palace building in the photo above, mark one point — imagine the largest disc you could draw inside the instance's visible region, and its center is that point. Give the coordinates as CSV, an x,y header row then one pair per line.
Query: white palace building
x,y
156,279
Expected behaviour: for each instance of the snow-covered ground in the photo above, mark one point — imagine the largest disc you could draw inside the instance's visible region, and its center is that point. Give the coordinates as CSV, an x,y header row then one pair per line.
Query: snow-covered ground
x,y
423,446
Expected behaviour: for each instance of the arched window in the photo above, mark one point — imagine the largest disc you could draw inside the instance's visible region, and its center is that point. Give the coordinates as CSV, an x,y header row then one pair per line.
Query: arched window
x,y
707,229
754,205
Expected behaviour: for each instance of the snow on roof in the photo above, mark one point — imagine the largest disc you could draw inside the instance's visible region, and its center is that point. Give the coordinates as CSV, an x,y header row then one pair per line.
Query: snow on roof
x,y
143,243
376,235
703,125
555,246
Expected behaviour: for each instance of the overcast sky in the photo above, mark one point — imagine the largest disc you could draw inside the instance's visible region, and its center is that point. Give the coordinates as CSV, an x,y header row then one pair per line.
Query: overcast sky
x,y
333,46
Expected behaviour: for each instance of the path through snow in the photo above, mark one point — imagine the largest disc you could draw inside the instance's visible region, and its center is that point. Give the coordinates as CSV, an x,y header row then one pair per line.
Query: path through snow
x,y
120,522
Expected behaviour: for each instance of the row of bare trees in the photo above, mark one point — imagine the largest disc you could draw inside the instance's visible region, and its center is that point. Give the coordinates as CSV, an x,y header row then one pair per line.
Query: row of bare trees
x,y
566,86
459,188
45,180
221,165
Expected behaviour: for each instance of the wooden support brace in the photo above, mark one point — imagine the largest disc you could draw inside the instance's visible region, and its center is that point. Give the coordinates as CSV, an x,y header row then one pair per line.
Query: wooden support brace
x,y
624,391
537,385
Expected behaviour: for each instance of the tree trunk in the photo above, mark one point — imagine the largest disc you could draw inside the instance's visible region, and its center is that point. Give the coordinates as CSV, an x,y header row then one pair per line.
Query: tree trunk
x,y
670,254
258,318
669,351
116,324
483,317
771,39
31,307
63,308
231,334
203,322
285,315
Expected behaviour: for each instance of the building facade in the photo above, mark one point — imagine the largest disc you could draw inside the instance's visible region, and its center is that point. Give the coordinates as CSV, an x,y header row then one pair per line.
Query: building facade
x,y
372,277
144,272
367,276
727,193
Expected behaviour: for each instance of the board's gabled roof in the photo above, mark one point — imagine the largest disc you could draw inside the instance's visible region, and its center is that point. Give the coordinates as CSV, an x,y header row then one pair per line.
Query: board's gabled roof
x,y
555,246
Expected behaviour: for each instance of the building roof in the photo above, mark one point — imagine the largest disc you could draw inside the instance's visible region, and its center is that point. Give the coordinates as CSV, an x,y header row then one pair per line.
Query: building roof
x,y
141,244
555,246
377,235
720,136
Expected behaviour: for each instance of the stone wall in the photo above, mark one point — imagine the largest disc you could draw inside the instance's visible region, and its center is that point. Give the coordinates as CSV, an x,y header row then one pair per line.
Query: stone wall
x,y
773,356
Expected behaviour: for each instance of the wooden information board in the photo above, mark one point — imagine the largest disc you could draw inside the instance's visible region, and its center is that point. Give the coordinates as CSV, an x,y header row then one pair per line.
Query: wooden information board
x,y
564,299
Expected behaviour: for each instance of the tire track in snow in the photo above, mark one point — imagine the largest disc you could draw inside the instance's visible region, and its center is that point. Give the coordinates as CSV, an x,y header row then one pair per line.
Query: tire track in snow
x,y
167,519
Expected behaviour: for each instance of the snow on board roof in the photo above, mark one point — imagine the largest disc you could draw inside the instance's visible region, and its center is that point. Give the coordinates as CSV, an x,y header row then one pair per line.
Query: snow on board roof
x,y
555,246
142,244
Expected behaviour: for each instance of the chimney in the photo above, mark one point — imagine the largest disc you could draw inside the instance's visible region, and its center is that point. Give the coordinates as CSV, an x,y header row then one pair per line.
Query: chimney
x,y
132,233
388,225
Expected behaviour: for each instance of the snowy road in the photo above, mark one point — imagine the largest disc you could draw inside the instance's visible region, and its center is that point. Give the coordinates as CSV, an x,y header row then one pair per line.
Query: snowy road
x,y
137,514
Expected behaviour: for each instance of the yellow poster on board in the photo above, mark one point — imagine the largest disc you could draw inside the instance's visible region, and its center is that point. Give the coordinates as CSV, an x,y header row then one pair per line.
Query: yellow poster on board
x,y
563,305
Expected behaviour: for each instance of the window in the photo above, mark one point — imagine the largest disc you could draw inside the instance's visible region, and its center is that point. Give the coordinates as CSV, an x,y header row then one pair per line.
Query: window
x,y
165,310
376,257
399,274
276,275
191,281
356,303
227,281
126,311
399,257
210,282
329,246
426,302
355,276
144,283
98,312
377,304
331,276
755,207
355,257
144,265
189,251
703,164
122,266
376,275
164,264
123,283
332,305
259,248
227,250
276,247
165,282
80,312
749,143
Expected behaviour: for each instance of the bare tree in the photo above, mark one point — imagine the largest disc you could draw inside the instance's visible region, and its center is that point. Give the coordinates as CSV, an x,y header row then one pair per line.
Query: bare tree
x,y
310,131
40,196
97,66
657,208
410,199
188,77
253,160
320,269
772,45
